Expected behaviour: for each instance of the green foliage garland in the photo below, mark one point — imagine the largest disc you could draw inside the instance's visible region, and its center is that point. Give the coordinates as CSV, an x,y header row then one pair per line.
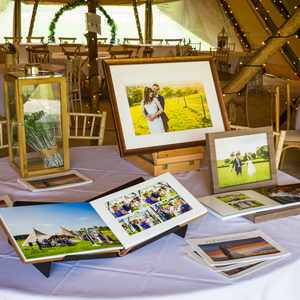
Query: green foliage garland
x,y
73,5
111,23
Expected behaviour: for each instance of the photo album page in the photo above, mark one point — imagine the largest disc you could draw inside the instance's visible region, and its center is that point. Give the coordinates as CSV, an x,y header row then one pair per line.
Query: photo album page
x,y
146,210
109,224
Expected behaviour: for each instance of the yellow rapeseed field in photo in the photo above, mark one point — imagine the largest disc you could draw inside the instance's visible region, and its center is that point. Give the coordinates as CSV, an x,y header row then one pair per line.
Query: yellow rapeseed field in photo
x,y
185,112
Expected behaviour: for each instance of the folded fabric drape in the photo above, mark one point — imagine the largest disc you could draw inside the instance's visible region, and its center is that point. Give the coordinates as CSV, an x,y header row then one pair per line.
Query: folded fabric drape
x,y
203,18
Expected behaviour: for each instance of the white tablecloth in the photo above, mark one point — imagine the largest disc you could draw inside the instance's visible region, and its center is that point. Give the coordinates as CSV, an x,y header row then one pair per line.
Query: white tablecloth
x,y
157,271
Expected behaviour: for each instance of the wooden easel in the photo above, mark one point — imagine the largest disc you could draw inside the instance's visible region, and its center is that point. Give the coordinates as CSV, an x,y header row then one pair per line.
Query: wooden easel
x,y
177,160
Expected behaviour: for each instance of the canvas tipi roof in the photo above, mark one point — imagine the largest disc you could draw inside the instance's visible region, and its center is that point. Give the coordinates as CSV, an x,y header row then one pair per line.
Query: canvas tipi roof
x,y
35,235
67,232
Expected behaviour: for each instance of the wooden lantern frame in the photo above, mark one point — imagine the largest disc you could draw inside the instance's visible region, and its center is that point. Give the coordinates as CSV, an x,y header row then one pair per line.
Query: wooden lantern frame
x,y
19,81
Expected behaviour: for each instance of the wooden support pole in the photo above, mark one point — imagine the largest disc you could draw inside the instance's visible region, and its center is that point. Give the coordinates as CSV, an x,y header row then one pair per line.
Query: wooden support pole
x,y
288,106
137,21
17,30
271,46
277,113
34,10
148,22
93,65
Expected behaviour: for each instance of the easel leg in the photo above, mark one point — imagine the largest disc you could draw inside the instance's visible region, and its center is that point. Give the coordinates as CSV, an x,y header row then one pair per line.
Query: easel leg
x,y
181,232
279,149
44,268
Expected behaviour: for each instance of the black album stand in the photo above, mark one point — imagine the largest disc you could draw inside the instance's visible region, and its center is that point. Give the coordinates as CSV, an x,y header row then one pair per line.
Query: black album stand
x,y
45,268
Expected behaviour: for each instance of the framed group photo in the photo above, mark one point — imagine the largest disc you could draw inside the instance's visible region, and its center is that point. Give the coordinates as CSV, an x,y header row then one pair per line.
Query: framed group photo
x,y
242,159
164,103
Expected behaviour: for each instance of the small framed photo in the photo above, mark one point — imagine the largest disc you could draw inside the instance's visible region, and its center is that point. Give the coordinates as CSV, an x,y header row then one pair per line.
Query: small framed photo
x,y
242,159
164,103
55,181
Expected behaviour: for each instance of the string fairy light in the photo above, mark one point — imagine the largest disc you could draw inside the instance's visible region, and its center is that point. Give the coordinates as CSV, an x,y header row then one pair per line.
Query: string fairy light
x,y
241,34
286,48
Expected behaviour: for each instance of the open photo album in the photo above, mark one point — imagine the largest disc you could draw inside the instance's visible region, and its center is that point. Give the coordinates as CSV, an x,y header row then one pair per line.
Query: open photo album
x,y
116,223
245,202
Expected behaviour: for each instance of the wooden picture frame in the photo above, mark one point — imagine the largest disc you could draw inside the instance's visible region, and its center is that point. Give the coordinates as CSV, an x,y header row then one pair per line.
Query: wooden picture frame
x,y
142,72
242,182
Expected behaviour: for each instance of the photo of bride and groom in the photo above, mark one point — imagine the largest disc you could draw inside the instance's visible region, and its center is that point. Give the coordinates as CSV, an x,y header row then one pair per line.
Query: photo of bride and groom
x,y
160,108
237,164
153,109
242,160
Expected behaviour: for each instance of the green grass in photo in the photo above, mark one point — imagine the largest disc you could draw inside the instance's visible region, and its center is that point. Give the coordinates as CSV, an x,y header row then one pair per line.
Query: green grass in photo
x,y
35,252
232,197
79,246
241,205
184,113
227,176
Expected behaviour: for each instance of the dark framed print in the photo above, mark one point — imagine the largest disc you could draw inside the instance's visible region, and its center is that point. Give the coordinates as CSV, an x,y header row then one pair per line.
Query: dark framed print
x,y
164,103
242,159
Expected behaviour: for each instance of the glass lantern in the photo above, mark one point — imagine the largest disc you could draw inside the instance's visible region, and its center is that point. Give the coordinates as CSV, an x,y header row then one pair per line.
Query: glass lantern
x,y
36,109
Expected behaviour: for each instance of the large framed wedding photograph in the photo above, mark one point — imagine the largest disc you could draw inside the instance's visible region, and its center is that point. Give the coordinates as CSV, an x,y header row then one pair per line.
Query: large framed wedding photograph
x,y
164,103
242,159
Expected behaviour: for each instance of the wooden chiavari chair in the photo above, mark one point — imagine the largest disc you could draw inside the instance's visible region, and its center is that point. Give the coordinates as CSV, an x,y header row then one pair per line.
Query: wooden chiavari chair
x,y
222,59
93,126
121,53
102,40
231,47
157,41
10,39
39,39
134,48
3,134
73,74
288,139
131,40
67,40
104,47
148,52
38,54
71,50
173,41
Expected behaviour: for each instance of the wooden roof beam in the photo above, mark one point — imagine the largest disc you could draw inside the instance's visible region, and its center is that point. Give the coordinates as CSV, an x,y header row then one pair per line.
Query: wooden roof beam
x,y
272,45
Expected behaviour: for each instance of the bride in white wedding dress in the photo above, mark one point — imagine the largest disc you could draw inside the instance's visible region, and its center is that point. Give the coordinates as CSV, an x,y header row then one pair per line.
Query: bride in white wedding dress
x,y
251,167
152,109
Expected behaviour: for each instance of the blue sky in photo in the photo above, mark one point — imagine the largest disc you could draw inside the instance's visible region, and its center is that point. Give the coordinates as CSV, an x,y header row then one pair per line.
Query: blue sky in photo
x,y
49,217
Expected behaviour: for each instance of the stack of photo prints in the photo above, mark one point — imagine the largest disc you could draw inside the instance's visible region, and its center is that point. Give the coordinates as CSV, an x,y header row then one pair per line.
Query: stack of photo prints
x,y
235,255
116,223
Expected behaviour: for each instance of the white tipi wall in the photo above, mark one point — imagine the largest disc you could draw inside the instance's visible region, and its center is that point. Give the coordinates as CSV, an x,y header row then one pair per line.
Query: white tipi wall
x,y
203,18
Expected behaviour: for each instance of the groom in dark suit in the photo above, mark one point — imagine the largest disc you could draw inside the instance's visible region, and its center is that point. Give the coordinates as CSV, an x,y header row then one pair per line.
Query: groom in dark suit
x,y
161,99
237,164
